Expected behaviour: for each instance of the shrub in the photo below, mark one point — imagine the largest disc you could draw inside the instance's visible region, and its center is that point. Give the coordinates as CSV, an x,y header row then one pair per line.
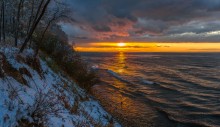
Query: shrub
x,y
45,104
68,60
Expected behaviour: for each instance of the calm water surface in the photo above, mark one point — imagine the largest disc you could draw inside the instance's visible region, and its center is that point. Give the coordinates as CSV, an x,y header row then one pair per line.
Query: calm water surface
x,y
159,89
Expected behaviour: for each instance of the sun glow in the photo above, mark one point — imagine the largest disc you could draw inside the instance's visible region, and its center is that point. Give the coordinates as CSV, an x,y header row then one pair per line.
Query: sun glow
x,y
148,47
121,44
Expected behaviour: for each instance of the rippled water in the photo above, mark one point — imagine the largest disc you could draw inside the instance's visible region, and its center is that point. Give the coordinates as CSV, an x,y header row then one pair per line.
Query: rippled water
x,y
159,89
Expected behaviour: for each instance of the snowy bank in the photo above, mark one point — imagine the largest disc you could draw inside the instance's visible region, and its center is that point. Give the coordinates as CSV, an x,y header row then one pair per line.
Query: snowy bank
x,y
31,94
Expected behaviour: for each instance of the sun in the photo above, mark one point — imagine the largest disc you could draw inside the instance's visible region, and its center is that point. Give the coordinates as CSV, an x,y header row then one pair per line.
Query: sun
x,y
121,44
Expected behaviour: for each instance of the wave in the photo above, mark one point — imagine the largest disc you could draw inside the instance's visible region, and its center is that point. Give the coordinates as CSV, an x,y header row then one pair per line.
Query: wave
x,y
117,76
95,67
147,82
141,80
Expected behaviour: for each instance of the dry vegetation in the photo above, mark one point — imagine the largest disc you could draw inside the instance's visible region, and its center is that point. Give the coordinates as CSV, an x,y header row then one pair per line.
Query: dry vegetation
x,y
48,101
68,60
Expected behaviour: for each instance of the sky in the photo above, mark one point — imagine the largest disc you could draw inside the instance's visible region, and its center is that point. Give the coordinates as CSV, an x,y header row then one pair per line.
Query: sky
x,y
144,21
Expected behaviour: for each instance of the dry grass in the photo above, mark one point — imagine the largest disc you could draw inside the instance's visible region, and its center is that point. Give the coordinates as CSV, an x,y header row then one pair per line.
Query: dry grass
x,y
8,70
26,123
24,71
33,62
75,107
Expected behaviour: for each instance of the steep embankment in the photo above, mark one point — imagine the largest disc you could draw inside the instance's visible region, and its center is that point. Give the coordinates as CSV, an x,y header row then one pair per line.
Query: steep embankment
x,y
31,94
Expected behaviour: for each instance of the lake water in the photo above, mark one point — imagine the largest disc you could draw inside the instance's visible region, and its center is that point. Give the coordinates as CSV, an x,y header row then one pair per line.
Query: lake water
x,y
159,89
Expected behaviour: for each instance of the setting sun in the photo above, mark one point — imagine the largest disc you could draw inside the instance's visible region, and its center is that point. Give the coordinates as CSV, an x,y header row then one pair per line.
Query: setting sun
x,y
121,44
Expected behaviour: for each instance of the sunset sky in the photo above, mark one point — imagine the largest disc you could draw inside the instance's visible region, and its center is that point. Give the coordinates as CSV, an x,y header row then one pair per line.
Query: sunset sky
x,y
145,25
148,47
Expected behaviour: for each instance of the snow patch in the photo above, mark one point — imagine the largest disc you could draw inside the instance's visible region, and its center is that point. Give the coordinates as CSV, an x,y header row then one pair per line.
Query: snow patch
x,y
18,101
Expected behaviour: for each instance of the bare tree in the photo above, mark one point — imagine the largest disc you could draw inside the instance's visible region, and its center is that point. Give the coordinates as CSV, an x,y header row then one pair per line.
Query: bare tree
x,y
35,23
58,13
20,19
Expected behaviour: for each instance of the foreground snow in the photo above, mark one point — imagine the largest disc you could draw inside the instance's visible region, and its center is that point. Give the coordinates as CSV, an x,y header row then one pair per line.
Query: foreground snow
x,y
44,97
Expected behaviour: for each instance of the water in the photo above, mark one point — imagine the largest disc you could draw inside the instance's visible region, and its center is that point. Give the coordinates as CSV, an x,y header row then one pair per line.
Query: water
x,y
159,89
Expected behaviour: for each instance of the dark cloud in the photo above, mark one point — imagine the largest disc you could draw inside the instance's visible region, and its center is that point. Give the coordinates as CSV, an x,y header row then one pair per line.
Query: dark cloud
x,y
81,38
102,28
121,23
197,27
151,27
146,20
167,46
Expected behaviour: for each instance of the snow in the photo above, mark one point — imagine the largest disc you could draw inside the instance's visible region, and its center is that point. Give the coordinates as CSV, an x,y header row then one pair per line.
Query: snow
x,y
18,101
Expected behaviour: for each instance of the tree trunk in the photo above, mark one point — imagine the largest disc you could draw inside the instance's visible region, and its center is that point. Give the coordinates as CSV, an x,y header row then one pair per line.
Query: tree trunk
x,y
13,28
18,23
34,26
31,17
1,23
38,10
3,20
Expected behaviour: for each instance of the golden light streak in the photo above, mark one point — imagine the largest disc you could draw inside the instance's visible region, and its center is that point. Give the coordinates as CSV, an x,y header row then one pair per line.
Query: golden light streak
x,y
149,47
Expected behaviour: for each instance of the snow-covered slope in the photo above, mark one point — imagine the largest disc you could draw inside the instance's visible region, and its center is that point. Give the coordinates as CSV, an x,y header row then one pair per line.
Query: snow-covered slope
x,y
31,94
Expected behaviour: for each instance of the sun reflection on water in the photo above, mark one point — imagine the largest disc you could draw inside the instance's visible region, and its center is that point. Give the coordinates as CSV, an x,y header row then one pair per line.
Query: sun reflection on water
x,y
121,62
119,97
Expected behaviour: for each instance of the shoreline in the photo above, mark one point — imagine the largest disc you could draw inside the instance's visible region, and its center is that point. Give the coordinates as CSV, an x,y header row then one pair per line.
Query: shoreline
x,y
125,108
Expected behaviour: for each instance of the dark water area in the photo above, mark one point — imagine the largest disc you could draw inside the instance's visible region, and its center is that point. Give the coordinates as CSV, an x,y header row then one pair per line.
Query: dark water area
x,y
159,89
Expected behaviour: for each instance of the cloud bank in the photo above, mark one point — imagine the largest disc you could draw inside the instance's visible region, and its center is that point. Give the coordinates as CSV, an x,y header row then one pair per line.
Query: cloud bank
x,y
144,20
